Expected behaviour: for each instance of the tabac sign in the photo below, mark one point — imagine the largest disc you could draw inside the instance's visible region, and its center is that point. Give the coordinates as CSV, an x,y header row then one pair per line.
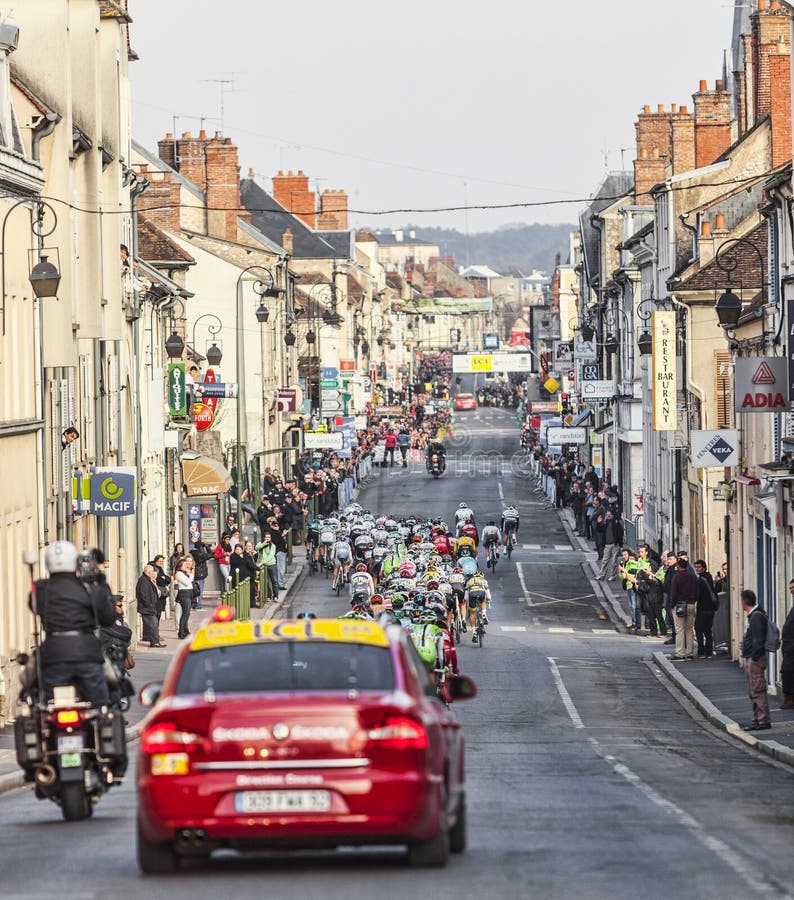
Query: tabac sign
x,y
664,371
760,384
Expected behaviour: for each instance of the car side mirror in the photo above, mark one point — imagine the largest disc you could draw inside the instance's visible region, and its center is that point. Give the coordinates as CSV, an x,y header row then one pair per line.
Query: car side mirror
x,y
460,687
150,693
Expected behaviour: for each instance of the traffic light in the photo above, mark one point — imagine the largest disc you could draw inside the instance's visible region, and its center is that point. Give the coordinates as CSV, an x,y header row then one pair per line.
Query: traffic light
x,y
565,407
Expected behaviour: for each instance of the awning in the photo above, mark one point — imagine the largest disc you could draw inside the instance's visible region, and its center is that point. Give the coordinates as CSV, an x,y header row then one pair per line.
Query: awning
x,y
203,476
582,416
607,426
746,479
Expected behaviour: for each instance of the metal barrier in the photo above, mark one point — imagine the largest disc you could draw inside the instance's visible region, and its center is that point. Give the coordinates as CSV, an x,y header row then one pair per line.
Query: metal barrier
x,y
264,586
239,598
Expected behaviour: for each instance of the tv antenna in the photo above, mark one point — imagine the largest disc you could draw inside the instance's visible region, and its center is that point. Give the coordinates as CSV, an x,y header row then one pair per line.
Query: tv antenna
x,y
227,87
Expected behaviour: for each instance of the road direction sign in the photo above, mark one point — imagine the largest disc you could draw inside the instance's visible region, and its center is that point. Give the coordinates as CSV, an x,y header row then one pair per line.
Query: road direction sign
x,y
603,389
329,384
556,436
329,372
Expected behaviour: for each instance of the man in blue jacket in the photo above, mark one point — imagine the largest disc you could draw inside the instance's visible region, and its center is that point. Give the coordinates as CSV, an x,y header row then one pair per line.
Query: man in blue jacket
x,y
754,656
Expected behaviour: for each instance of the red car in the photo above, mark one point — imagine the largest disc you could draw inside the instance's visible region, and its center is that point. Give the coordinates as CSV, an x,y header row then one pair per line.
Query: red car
x,y
299,734
465,401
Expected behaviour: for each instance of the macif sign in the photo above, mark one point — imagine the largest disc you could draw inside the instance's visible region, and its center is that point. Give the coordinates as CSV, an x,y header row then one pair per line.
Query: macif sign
x,y
760,384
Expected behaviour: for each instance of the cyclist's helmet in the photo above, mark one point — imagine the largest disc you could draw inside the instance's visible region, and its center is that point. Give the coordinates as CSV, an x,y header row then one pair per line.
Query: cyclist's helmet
x,y
457,570
462,506
306,614
432,585
428,616
376,598
361,567
492,522
398,601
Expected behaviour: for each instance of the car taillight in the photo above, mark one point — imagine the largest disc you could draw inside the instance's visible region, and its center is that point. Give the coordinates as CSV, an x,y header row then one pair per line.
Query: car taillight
x,y
67,717
167,737
399,733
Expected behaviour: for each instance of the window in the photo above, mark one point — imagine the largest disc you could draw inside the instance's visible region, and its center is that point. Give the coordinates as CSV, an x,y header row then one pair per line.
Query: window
x,y
287,666
722,388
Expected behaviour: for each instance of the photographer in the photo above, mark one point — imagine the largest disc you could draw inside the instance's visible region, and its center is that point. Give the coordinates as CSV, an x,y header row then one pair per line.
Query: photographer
x,y
115,640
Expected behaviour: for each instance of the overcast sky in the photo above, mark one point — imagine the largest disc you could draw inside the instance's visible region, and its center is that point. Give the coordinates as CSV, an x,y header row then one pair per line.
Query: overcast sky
x,y
425,103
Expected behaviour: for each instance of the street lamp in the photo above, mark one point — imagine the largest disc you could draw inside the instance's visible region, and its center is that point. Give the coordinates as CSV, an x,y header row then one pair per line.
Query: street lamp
x,y
264,285
262,313
44,277
174,346
728,308
645,343
214,353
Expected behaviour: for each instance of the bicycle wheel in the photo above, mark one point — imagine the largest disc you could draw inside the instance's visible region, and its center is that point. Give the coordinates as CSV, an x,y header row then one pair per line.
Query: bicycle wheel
x,y
340,580
510,546
493,560
324,563
480,631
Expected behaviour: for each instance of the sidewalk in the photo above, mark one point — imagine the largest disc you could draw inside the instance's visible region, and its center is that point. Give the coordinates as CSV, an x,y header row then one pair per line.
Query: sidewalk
x,y
717,687
151,664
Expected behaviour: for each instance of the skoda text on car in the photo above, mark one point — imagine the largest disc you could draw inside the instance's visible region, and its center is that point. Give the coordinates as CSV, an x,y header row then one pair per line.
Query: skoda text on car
x,y
465,401
299,734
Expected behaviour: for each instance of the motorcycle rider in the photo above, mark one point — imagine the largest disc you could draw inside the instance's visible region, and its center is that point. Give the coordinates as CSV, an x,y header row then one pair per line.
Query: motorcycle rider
x,y
70,610
435,448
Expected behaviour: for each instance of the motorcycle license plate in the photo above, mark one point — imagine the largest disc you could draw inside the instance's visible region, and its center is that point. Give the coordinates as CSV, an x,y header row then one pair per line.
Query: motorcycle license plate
x,y
282,801
69,747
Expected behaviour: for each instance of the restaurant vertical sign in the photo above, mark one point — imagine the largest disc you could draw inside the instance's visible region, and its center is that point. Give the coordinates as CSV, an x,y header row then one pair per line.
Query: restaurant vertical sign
x,y
663,370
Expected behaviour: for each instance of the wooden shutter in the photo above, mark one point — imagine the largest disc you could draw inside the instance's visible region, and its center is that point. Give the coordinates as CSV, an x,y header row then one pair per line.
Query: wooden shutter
x,y
722,389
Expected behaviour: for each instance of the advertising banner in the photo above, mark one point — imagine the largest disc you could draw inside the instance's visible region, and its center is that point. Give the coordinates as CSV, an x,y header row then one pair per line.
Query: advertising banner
x,y
760,384
113,491
177,394
664,370
715,448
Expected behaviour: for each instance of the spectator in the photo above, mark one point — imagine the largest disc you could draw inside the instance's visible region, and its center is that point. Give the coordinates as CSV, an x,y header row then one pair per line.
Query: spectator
x,y
176,554
163,582
707,605
613,538
223,554
721,581
267,558
754,656
683,596
201,552
237,565
146,598
184,594
787,651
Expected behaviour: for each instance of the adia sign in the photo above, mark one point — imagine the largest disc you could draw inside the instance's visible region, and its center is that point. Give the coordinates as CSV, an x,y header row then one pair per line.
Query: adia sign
x,y
760,384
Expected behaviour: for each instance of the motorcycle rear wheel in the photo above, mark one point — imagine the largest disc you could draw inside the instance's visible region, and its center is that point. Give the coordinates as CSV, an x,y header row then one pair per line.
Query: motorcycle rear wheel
x,y
75,804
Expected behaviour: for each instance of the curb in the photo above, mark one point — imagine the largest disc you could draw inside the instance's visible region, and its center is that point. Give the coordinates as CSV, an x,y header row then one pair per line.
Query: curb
x,y
11,782
773,749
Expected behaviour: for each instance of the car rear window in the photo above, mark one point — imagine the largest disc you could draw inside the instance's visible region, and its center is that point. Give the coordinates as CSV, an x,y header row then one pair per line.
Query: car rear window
x,y
287,666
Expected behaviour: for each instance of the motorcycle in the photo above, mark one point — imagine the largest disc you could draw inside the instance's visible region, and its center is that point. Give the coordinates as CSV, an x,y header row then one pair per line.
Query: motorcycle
x,y
72,752
436,465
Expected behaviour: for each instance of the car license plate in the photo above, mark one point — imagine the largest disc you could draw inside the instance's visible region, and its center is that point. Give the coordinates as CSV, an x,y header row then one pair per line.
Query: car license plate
x,y
282,801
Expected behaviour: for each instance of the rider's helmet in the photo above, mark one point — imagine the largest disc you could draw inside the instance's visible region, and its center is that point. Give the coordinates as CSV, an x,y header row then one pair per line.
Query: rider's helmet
x,y
432,585
306,614
62,556
462,506
457,570
376,599
428,616
492,522
398,601
417,538
361,567
440,611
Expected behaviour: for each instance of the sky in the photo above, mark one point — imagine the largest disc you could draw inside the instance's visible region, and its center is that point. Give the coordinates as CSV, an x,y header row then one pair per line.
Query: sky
x,y
425,104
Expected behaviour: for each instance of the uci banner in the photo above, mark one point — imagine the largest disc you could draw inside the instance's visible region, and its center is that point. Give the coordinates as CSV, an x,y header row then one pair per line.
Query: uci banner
x,y
114,491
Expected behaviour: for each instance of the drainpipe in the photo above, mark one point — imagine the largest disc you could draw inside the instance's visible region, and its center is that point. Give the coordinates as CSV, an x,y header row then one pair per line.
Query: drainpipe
x,y
45,127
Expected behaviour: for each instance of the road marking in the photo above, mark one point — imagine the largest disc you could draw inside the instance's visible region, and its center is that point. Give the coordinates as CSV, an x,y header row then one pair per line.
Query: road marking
x,y
530,546
513,627
527,595
602,631
501,491
561,631
743,867
562,546
564,695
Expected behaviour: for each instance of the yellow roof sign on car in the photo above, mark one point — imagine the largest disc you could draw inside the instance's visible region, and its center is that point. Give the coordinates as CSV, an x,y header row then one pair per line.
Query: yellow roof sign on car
x,y
352,631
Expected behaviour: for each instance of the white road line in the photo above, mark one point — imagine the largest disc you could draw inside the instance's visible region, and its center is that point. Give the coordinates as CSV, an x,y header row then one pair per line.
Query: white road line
x,y
513,627
562,546
561,631
743,867
530,546
527,595
501,491
602,631
564,695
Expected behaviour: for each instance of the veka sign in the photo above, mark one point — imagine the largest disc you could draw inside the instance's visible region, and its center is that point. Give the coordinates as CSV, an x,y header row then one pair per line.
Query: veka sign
x,y
760,384
715,448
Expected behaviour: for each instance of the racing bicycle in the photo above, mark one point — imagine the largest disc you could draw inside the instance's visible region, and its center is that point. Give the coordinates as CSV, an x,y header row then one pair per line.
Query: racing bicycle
x,y
479,626
492,557
511,542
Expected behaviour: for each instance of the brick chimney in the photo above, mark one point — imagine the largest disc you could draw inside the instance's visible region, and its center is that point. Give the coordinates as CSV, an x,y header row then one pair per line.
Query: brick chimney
x,y
780,107
286,240
160,202
712,123
654,150
186,155
705,243
770,33
292,192
333,211
683,140
223,187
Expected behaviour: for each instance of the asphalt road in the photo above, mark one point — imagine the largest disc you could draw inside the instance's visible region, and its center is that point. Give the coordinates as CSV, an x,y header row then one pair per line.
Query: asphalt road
x,y
586,778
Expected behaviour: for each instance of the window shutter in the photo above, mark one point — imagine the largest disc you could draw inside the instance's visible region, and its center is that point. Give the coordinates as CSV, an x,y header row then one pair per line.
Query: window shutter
x,y
722,389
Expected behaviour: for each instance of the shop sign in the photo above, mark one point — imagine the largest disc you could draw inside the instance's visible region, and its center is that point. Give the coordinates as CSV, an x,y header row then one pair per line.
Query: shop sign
x,y
203,416
664,370
177,395
113,491
760,384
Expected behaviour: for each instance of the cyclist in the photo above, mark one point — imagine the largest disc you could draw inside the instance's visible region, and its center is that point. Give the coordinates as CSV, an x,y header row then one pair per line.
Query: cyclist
x,y
465,546
328,536
362,585
342,556
442,543
313,540
463,514
477,594
509,521
457,581
428,639
469,529
491,536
